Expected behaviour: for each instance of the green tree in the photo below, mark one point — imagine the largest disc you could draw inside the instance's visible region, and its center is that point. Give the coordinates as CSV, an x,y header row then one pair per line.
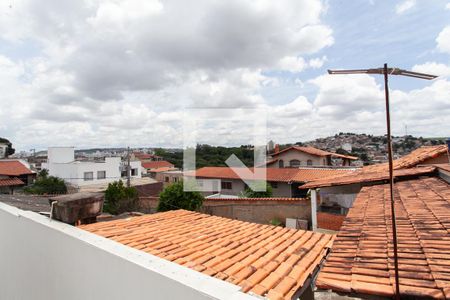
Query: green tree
x,y
258,185
174,197
9,149
119,198
47,185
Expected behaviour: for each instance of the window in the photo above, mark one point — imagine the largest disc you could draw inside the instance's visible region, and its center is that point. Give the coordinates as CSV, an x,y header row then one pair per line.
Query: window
x,y
101,174
175,179
88,176
134,172
226,185
295,163
166,179
309,162
274,185
281,164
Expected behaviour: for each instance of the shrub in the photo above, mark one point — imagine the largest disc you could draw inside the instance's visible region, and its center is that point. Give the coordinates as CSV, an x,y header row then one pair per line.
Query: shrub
x,y
119,198
44,184
174,197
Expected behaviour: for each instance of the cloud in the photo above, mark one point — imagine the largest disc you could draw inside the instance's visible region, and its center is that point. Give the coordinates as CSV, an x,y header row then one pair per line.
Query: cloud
x,y
434,68
404,6
443,40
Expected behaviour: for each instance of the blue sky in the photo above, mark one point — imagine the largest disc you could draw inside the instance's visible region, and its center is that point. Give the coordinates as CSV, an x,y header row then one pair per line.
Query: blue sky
x,y
99,73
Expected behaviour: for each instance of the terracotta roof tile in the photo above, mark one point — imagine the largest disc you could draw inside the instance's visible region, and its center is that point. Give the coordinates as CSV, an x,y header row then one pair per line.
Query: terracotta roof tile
x,y
11,181
13,168
157,164
362,254
273,174
314,151
363,176
266,260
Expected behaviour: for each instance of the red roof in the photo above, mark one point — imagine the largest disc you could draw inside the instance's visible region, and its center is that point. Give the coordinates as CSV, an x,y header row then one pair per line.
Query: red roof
x,y
361,256
272,174
314,151
279,199
13,168
143,156
163,169
269,261
157,164
11,181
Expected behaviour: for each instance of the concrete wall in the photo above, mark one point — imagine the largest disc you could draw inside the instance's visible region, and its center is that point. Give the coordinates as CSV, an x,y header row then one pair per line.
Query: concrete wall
x,y
43,259
262,211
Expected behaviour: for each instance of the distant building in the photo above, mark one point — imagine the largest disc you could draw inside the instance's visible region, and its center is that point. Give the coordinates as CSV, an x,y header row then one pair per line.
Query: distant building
x,y
14,173
3,148
61,163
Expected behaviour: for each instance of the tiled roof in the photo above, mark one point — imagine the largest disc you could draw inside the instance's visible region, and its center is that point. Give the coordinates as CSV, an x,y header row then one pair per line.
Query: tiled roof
x,y
445,167
412,159
314,151
365,177
262,259
10,181
361,260
257,199
142,156
162,169
156,164
272,174
13,168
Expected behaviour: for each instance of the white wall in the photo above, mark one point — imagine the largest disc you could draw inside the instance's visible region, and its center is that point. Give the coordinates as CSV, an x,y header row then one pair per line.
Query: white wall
x,y
43,259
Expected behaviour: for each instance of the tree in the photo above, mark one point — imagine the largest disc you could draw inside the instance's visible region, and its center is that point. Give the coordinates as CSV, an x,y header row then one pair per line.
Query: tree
x,y
47,185
258,185
9,149
174,197
119,198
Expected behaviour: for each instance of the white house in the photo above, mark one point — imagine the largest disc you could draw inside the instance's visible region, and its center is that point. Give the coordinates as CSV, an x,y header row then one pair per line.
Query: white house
x,y
3,148
61,163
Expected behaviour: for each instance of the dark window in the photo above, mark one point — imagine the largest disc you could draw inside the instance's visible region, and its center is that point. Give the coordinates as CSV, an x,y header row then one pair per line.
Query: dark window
x,y
88,176
134,172
274,185
295,163
166,179
281,164
101,174
226,185
309,162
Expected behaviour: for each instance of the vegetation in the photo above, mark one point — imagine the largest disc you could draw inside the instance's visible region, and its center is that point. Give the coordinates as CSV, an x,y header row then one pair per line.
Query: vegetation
x,y
174,197
47,185
258,185
276,222
120,198
211,156
9,149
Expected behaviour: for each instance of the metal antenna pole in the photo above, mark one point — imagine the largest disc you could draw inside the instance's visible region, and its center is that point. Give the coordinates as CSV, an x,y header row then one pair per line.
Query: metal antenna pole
x,y
391,182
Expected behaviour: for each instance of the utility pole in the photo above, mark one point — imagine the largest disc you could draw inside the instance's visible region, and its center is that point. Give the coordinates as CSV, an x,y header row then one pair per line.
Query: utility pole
x,y
128,168
385,71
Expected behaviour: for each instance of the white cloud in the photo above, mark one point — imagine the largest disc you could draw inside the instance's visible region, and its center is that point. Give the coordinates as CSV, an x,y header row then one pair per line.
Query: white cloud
x,y
447,6
404,6
443,40
433,68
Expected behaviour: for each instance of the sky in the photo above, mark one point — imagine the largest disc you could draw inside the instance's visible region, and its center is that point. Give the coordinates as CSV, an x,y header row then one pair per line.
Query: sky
x,y
119,73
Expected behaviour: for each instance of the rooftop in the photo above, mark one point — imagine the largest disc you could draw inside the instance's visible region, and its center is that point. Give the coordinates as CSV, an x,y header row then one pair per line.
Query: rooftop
x,y
10,181
367,177
273,174
361,260
265,260
13,168
157,164
314,151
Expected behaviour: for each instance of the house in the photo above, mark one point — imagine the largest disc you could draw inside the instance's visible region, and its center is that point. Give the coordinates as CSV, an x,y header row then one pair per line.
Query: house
x,y
285,182
146,156
61,163
336,194
296,156
168,177
361,259
154,167
268,261
14,173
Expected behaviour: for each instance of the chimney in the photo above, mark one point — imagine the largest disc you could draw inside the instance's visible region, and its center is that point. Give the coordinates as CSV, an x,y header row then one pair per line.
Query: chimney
x,y
77,208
